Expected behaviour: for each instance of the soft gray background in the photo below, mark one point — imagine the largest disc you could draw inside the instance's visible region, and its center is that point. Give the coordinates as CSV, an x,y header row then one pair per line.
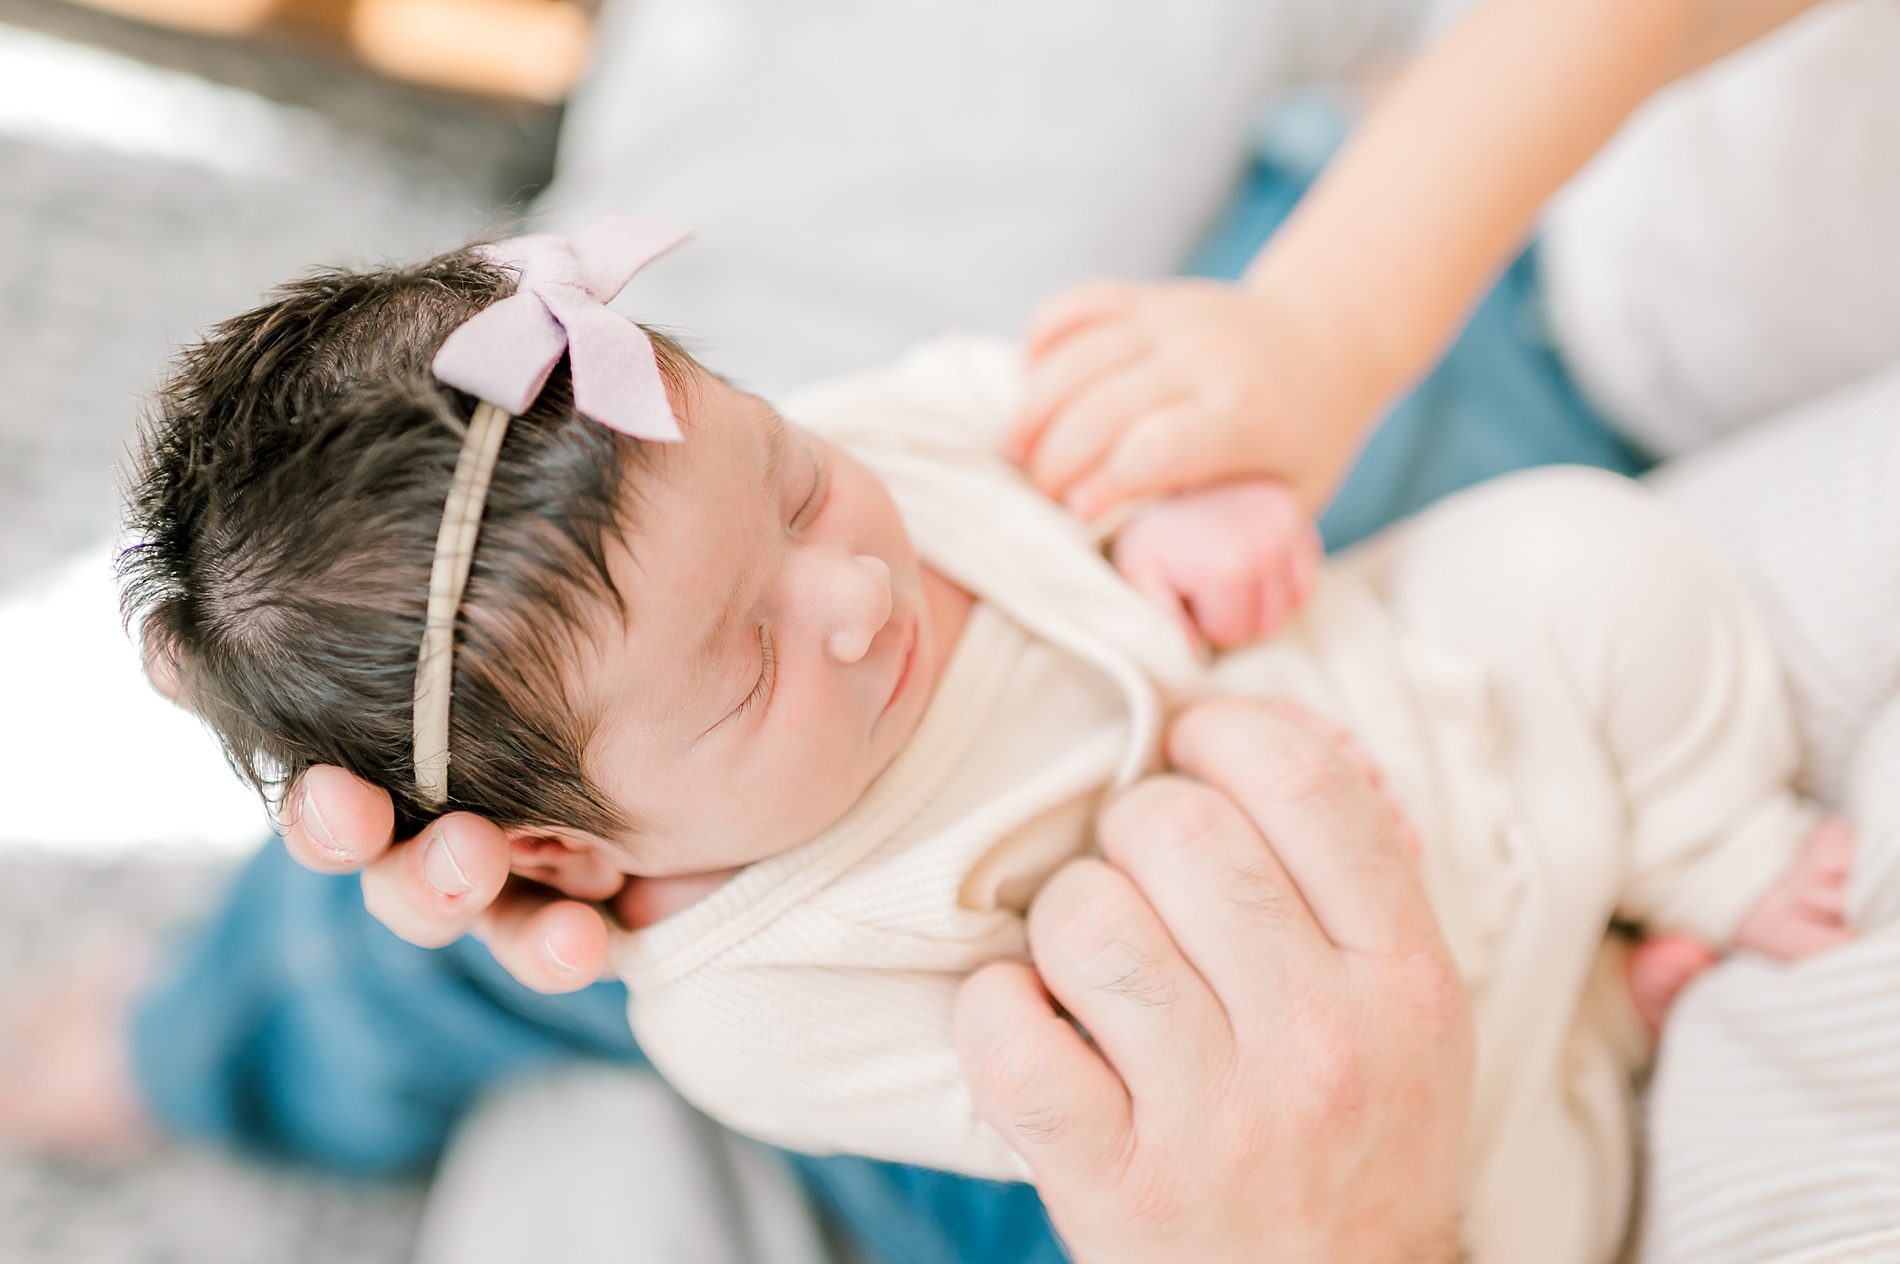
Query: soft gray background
x,y
109,260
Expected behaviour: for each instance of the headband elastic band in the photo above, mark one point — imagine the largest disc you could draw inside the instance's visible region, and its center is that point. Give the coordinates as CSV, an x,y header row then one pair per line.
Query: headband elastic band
x,y
503,355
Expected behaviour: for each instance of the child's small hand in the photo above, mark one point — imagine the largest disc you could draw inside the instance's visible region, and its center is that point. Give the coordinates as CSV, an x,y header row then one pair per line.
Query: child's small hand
x,y
1137,389
1230,562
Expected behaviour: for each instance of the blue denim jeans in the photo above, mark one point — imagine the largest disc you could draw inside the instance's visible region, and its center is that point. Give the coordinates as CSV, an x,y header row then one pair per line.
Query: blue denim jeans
x,y
295,1026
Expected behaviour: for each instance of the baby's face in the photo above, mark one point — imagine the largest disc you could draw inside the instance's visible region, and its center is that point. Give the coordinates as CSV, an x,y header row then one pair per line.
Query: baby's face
x,y
777,651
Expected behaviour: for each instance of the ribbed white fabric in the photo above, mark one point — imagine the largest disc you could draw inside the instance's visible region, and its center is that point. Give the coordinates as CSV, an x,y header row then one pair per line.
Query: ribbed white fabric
x,y
1775,1110
1586,721
1804,510
1775,1120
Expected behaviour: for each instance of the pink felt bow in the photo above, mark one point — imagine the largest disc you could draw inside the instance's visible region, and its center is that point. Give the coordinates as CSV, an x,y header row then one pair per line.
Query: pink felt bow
x,y
504,353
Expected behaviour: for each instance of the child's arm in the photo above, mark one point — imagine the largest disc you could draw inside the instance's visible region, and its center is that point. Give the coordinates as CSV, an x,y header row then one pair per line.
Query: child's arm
x,y
1135,389
1231,563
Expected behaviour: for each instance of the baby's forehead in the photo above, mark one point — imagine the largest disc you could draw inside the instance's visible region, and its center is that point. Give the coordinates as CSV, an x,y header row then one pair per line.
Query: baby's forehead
x,y
723,423
701,530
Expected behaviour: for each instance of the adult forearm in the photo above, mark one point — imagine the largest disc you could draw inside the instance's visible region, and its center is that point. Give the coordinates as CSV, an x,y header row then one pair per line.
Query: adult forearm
x,y
1442,183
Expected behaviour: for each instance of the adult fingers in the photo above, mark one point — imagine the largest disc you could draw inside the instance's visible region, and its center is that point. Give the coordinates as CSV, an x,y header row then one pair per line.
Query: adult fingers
x,y
1121,477
334,822
1188,447
1230,905
1063,371
1077,437
1037,1082
1340,737
1333,831
1073,308
1104,954
548,943
431,889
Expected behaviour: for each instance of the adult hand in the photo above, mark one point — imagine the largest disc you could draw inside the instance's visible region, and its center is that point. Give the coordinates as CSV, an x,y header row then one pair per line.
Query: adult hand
x,y
452,879
1282,1052
1142,389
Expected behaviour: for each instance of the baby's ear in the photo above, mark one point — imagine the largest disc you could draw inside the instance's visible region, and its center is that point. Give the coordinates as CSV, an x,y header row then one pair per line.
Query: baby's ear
x,y
159,656
579,865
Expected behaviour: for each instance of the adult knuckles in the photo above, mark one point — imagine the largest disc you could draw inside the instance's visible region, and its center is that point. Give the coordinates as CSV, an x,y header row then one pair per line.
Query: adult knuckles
x,y
1158,1207
1264,751
1163,816
1089,926
1422,986
1011,1070
1222,722
1306,774
1334,1054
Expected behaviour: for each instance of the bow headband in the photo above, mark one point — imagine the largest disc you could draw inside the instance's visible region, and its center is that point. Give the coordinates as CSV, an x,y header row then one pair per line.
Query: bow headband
x,y
502,356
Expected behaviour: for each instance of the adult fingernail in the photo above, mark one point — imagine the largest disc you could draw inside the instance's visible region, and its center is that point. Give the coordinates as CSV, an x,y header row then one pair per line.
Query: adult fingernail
x,y
440,867
554,954
317,832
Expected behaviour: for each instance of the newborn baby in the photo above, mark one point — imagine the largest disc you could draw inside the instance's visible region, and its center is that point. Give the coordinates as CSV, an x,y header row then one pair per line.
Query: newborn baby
x,y
856,657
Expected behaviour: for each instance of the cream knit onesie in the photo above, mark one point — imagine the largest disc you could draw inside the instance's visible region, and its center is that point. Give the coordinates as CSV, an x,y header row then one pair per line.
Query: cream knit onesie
x,y
1571,705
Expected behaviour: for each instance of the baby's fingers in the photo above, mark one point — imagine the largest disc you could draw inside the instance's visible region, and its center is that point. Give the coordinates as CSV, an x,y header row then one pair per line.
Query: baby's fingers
x,y
1227,606
1288,582
1303,563
1149,576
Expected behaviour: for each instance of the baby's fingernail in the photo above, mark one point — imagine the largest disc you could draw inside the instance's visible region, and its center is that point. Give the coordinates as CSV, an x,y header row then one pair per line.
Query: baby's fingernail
x,y
317,832
554,955
440,867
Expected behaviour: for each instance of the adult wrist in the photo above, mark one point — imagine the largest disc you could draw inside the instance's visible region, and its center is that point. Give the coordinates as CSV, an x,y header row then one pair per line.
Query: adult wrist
x,y
1344,376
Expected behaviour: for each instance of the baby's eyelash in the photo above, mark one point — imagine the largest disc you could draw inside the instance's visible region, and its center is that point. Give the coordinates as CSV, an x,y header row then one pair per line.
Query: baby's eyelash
x,y
768,673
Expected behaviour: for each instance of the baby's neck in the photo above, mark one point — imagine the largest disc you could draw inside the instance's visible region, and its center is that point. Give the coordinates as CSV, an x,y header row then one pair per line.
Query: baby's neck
x,y
948,608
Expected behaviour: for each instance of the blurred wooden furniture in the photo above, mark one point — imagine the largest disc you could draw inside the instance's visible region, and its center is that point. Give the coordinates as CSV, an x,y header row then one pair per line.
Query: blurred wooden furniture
x,y
531,50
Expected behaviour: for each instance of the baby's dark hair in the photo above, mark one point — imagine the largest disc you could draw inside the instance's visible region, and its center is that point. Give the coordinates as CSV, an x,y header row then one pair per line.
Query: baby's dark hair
x,y
285,503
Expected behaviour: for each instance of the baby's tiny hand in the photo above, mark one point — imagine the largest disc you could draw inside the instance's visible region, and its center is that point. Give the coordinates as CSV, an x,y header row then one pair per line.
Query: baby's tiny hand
x,y
1231,563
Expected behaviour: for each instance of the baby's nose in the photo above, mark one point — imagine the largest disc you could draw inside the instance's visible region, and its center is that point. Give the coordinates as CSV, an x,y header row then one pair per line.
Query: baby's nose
x,y
863,608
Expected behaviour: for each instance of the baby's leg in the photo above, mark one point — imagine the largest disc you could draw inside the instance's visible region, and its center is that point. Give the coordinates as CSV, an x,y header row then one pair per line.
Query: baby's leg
x,y
1624,665
1801,915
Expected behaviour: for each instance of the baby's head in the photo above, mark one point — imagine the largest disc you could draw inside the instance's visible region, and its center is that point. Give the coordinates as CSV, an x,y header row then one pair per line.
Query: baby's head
x,y
669,658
